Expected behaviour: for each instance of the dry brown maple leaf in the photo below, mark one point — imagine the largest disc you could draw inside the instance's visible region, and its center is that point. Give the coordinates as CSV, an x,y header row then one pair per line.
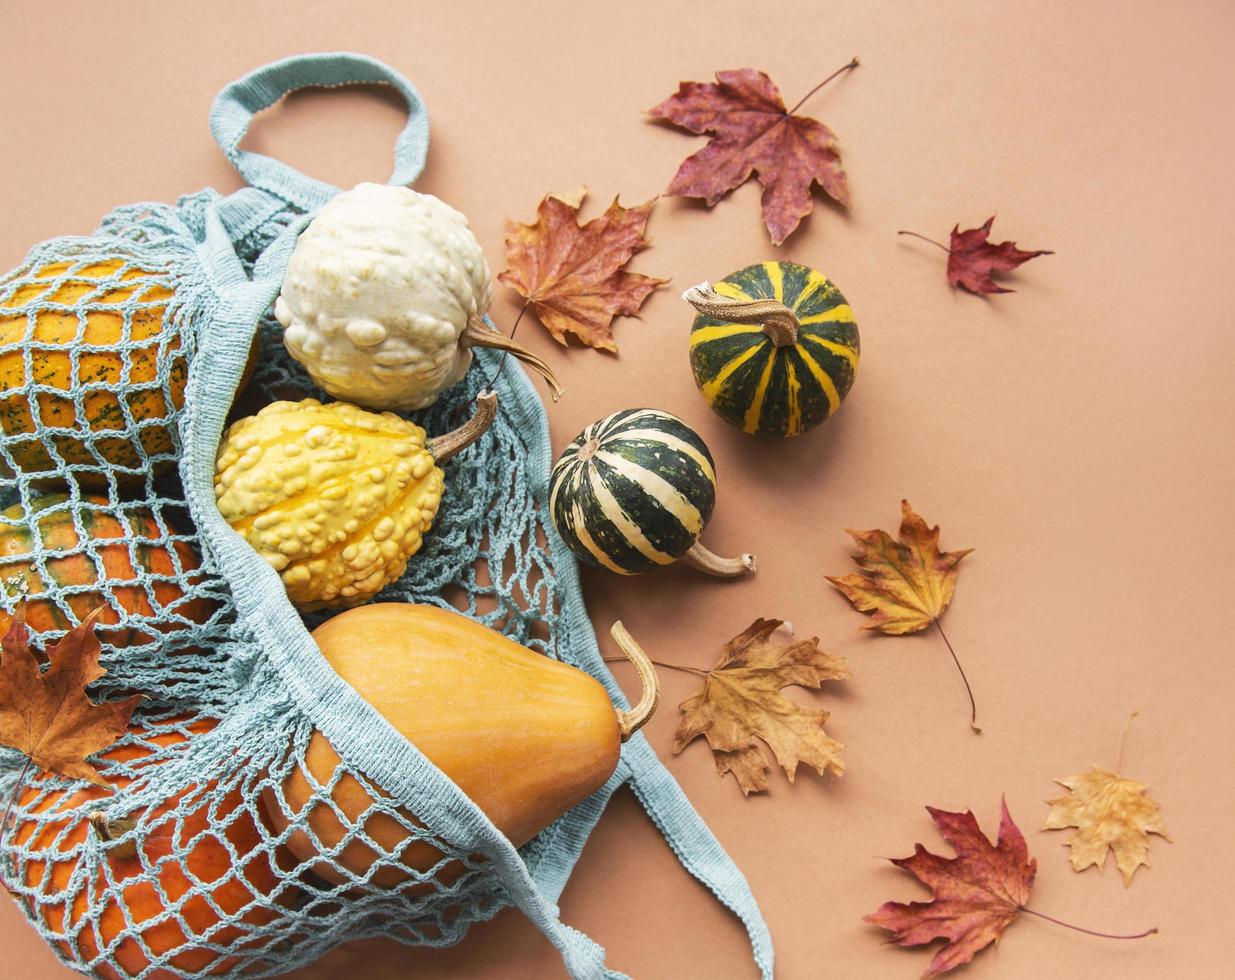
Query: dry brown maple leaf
x,y
972,258
741,701
905,585
572,274
1109,812
46,714
976,895
753,132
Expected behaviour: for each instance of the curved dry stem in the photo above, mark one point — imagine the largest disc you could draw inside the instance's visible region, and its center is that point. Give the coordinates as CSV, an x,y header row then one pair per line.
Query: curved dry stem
x,y
453,443
631,720
973,704
777,320
853,63
477,333
710,563
1089,932
914,234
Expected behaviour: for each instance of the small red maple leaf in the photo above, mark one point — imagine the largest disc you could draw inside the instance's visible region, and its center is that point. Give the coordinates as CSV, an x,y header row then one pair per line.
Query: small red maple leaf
x,y
977,894
753,132
972,258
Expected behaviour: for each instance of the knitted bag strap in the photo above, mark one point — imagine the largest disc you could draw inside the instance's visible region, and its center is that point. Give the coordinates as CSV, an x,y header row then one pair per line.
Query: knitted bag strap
x,y
235,106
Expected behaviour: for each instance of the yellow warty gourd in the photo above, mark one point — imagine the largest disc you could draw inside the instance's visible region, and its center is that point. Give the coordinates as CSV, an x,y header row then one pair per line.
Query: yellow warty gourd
x,y
335,498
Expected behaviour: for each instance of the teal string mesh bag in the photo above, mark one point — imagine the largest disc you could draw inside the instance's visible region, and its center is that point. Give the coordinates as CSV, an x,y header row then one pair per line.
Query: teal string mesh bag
x,y
121,355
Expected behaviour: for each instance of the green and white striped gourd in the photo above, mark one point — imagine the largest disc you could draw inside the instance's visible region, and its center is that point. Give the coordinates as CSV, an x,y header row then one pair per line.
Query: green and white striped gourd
x,y
634,491
774,349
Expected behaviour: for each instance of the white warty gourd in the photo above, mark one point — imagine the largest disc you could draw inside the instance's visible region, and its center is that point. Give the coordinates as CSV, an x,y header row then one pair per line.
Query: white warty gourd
x,y
385,297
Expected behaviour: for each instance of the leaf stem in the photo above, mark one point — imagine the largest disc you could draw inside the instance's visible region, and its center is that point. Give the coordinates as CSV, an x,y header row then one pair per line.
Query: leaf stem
x,y
973,705
488,385
1089,932
8,810
853,63
925,239
1123,740
661,663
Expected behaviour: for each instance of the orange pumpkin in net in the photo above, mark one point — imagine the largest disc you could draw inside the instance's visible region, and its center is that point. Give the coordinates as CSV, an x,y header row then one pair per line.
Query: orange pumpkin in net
x,y
56,340
120,548
89,897
108,393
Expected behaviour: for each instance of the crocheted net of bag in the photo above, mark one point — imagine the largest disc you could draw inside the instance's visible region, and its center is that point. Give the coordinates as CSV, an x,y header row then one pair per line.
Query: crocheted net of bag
x,y
211,890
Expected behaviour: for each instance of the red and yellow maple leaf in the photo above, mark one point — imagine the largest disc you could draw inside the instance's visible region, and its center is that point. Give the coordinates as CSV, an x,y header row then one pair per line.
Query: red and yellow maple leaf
x,y
753,132
46,713
572,274
976,895
907,584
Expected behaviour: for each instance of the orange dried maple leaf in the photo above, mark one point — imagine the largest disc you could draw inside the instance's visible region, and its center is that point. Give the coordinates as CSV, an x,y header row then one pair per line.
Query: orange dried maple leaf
x,y
741,701
46,713
572,274
977,894
753,132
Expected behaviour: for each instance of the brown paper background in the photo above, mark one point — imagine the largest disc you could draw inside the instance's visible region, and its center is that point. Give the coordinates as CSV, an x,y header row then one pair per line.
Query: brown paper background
x,y
1077,434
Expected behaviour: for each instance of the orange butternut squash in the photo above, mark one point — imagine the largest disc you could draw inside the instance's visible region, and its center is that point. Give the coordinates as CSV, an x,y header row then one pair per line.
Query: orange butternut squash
x,y
524,736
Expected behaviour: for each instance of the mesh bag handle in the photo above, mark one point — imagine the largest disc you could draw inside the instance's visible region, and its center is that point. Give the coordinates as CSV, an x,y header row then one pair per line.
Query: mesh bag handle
x,y
236,105
335,709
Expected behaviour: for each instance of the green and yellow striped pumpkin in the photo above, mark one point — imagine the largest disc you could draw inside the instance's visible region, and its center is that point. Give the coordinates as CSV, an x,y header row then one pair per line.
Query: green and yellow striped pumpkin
x,y
634,491
774,348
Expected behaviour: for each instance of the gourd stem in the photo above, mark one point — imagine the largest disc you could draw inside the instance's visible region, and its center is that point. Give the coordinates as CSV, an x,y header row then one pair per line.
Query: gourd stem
x,y
452,443
777,320
699,557
631,720
109,829
477,333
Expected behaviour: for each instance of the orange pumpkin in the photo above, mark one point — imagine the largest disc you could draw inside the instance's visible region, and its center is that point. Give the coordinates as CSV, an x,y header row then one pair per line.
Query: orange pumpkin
x,y
93,911
119,426
50,339
103,557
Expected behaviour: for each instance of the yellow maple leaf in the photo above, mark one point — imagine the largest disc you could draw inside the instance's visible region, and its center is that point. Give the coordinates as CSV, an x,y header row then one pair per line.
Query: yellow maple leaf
x,y
1108,812
906,584
741,701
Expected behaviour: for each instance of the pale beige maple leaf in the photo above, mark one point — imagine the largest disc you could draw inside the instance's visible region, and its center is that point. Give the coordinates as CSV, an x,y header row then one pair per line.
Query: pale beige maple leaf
x,y
1109,812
